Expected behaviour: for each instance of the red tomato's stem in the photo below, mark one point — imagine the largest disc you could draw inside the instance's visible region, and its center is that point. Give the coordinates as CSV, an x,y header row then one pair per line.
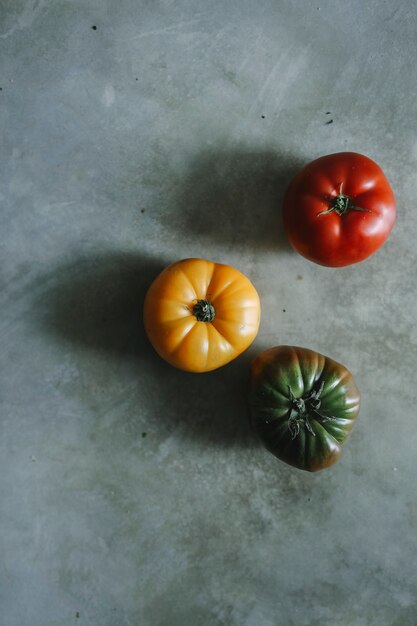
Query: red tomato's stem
x,y
341,205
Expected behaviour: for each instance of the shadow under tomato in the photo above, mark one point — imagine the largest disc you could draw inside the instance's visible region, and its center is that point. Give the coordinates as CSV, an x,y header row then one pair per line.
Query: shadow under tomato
x,y
234,196
93,305
210,407
96,301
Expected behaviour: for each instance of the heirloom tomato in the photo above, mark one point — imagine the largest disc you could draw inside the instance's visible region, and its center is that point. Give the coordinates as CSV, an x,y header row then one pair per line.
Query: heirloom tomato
x,y
339,209
303,405
200,315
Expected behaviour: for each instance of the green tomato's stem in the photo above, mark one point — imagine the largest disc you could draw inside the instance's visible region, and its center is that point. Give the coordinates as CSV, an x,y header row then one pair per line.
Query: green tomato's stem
x,y
303,410
204,311
340,204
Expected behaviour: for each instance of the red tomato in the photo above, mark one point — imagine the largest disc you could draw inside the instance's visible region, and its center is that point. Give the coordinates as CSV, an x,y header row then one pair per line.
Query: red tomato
x,y
339,209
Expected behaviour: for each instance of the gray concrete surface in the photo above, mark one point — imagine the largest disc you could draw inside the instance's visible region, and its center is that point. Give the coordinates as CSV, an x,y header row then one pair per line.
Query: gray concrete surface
x,y
134,494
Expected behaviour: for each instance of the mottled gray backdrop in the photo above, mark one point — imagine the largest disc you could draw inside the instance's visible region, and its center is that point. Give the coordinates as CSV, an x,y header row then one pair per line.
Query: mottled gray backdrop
x,y
138,132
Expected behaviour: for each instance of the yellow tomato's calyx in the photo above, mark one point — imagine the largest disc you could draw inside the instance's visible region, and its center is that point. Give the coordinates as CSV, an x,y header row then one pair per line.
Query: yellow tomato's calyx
x,y
341,205
204,311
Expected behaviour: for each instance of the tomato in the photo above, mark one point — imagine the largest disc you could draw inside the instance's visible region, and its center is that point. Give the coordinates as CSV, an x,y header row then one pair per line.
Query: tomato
x,y
303,405
200,315
339,209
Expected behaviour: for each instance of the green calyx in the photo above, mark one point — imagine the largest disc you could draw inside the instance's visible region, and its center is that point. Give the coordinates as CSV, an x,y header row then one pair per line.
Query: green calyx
x,y
302,410
341,205
204,311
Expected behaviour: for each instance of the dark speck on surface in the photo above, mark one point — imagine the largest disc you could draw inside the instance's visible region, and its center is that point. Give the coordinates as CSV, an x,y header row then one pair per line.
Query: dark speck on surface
x,y
328,112
299,277
77,615
284,310
94,27
263,117
144,434
329,122
142,210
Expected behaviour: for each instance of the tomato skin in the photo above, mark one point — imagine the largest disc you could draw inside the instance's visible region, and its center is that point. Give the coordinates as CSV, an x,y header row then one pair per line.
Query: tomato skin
x,y
183,291
331,239
279,378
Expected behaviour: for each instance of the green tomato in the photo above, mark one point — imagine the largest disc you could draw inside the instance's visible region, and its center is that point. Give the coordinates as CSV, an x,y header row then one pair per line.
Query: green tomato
x,y
303,405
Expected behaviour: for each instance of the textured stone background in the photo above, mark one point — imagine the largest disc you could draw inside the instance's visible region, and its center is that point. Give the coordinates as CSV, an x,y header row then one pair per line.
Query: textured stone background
x,y
171,130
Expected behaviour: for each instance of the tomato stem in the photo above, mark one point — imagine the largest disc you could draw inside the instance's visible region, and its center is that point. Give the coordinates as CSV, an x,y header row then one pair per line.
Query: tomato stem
x,y
341,205
302,410
204,311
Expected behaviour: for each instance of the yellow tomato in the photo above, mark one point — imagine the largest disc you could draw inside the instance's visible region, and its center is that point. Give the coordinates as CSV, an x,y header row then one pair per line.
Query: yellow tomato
x,y
200,315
